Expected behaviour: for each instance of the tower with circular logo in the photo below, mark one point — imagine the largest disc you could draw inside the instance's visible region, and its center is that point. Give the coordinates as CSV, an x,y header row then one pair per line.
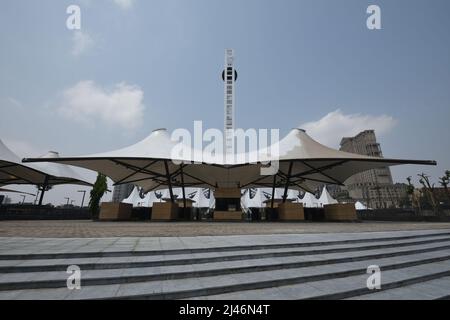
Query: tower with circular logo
x,y
229,76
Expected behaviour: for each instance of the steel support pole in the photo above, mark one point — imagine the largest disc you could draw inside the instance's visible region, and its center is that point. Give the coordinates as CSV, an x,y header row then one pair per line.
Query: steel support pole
x,y
44,186
168,181
182,189
273,191
287,182
82,201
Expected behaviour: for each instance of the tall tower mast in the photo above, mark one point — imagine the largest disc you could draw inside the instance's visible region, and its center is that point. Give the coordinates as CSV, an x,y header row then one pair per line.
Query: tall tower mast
x,y
229,77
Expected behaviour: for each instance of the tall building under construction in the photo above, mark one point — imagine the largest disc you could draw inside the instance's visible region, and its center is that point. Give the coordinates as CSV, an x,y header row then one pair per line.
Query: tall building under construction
x,y
374,187
121,192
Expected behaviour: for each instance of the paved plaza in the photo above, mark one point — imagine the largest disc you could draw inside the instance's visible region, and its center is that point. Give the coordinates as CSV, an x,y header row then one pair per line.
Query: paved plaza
x,y
141,260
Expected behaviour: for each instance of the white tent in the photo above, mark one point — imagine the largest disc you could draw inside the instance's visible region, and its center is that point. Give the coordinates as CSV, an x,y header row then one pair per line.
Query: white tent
x,y
326,198
252,198
197,195
293,195
138,199
201,198
279,192
45,174
309,201
303,164
135,198
151,198
360,206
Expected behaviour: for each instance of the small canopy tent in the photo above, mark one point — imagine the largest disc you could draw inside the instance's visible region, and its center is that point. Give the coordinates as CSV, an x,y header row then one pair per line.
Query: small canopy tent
x,y
43,175
309,200
326,198
303,164
252,198
198,195
152,197
278,194
360,206
140,199
203,198
134,198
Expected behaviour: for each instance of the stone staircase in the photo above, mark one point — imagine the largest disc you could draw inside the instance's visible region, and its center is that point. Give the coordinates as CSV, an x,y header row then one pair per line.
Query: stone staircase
x,y
415,265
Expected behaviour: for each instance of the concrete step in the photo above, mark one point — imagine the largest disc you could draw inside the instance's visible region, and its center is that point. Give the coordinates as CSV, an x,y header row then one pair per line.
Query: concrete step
x,y
160,261
375,237
346,287
428,290
322,266
13,281
235,283
250,251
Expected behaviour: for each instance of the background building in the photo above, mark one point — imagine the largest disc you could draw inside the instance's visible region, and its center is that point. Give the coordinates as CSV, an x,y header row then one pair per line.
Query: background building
x,y
122,192
375,187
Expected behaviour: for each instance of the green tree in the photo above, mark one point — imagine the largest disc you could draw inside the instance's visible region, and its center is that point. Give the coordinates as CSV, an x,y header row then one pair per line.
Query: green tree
x,y
99,189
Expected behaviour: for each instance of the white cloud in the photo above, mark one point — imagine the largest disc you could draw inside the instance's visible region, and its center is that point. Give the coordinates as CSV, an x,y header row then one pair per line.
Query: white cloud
x,y
14,103
11,103
120,106
331,128
82,42
124,4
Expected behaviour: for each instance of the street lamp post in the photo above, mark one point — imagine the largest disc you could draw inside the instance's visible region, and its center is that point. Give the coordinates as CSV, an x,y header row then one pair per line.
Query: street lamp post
x,y
68,199
84,193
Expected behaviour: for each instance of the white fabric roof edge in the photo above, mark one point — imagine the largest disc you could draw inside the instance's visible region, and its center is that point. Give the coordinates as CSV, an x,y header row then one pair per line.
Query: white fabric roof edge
x,y
145,164
30,173
297,145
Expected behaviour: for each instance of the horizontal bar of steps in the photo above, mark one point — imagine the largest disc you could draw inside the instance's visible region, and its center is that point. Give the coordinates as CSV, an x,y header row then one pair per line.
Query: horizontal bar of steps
x,y
70,255
159,261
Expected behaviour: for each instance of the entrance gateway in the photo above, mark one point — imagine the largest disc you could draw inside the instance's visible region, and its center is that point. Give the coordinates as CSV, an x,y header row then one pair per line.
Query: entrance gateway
x,y
304,164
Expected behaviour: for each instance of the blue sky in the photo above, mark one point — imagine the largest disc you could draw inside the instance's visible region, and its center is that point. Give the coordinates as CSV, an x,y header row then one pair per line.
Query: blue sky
x,y
142,65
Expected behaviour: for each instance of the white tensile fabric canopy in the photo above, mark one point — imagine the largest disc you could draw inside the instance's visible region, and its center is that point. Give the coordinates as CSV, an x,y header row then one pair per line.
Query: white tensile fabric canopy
x,y
15,191
326,198
304,164
43,175
13,171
